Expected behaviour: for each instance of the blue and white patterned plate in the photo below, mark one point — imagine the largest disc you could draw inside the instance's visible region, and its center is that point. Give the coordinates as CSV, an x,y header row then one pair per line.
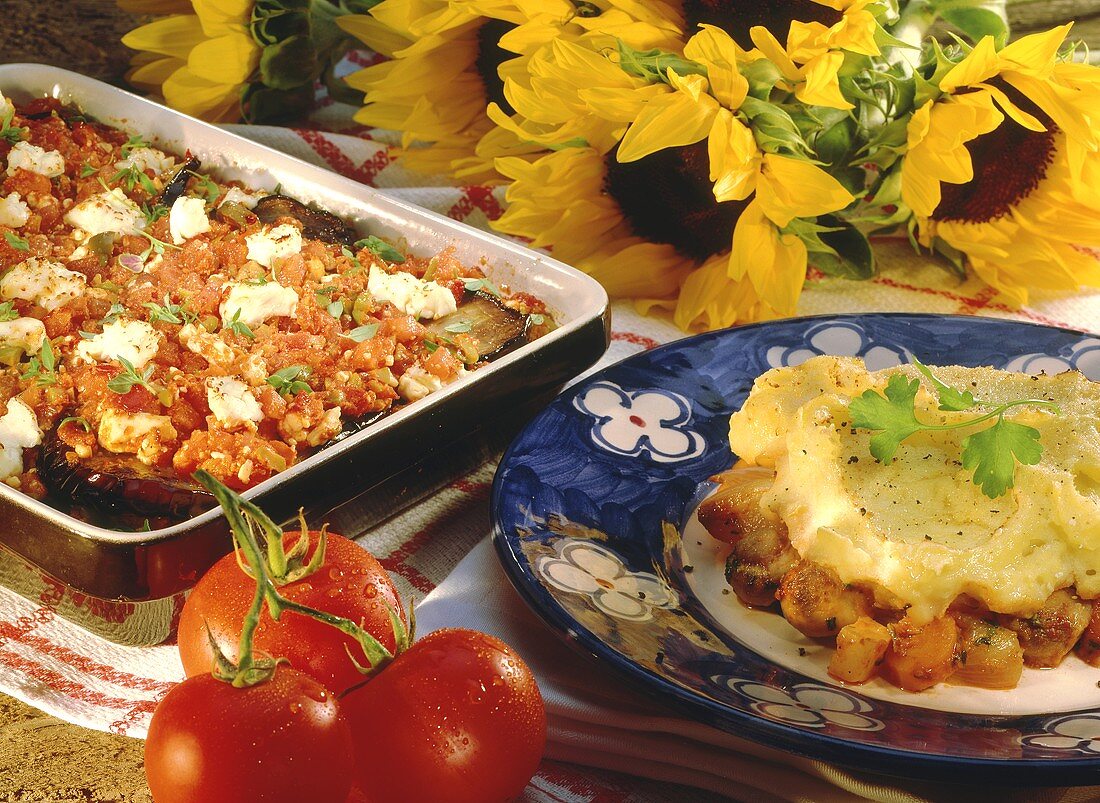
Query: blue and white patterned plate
x,y
593,517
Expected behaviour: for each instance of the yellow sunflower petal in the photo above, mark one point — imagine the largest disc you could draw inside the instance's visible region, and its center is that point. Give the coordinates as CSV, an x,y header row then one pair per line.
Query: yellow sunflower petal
x,y
198,97
821,82
1012,110
733,157
1035,54
1064,105
790,188
229,59
170,36
979,65
153,73
775,263
374,34
220,17
640,269
617,104
710,299
774,52
714,48
667,121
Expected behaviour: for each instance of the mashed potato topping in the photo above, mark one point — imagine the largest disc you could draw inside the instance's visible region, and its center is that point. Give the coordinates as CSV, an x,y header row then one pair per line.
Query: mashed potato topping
x,y
917,532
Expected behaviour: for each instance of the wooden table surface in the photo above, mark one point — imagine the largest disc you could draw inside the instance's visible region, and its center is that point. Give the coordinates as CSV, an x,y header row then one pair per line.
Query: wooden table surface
x,y
42,758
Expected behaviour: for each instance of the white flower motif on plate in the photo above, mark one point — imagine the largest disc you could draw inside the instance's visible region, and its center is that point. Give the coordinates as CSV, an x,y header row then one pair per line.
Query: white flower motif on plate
x,y
584,567
641,422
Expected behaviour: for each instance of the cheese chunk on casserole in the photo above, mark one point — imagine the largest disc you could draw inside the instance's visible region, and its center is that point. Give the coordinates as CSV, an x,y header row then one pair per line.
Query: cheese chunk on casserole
x,y
918,533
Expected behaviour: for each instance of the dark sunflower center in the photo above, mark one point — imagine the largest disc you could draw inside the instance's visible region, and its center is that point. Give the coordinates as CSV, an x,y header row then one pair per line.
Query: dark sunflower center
x,y
736,17
667,197
1009,163
490,55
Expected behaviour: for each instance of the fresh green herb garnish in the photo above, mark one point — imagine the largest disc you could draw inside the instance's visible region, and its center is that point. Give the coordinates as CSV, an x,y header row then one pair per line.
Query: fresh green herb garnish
x,y
239,327
336,309
358,266
76,419
457,328
131,176
289,381
473,285
87,170
257,281
207,186
16,242
380,248
535,319
991,453
7,311
361,333
42,366
12,133
167,312
430,346
132,144
153,212
124,381
113,313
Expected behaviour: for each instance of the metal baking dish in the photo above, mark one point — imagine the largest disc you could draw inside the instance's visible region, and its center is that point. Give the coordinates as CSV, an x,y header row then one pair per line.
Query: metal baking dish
x,y
462,416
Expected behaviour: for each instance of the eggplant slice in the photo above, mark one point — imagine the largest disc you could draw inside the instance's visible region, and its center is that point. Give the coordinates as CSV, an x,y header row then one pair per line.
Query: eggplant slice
x,y
118,483
177,185
497,328
316,224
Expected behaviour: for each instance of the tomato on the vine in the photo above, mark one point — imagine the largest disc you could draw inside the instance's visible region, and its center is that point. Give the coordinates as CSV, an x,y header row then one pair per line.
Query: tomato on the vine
x,y
284,740
456,718
351,583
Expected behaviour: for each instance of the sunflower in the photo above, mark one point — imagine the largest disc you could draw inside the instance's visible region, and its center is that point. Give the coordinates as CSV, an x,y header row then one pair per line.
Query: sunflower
x,y
234,58
817,34
682,195
446,65
1002,164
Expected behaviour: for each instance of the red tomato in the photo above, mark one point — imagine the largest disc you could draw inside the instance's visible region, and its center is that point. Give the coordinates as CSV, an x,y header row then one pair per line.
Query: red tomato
x,y
457,718
282,741
351,583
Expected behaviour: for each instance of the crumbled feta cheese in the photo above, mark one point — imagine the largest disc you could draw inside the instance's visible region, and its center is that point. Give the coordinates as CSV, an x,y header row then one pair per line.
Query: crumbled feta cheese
x,y
143,434
416,383
257,302
232,403
147,159
31,157
187,219
14,213
270,244
46,283
23,333
107,211
411,295
135,341
235,195
18,431
215,350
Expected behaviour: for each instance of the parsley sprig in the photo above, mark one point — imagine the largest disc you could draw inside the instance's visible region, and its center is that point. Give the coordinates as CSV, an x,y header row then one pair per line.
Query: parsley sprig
x,y
8,311
991,453
132,144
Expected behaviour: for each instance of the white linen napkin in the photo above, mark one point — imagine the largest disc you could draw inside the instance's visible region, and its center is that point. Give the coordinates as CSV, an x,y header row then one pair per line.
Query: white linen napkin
x,y
594,719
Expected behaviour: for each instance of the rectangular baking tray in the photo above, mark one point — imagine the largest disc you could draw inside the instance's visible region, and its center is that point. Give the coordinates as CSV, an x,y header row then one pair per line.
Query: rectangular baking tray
x,y
468,417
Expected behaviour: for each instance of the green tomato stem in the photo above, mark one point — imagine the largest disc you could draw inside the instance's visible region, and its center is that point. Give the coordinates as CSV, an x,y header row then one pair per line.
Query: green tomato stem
x,y
243,517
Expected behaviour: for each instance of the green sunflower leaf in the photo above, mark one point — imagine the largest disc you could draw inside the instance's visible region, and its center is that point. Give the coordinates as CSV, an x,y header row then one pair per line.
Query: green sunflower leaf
x,y
976,23
288,64
653,65
849,255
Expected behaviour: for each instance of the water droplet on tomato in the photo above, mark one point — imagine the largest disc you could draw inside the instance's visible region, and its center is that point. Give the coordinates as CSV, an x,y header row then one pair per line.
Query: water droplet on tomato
x,y
336,573
295,707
